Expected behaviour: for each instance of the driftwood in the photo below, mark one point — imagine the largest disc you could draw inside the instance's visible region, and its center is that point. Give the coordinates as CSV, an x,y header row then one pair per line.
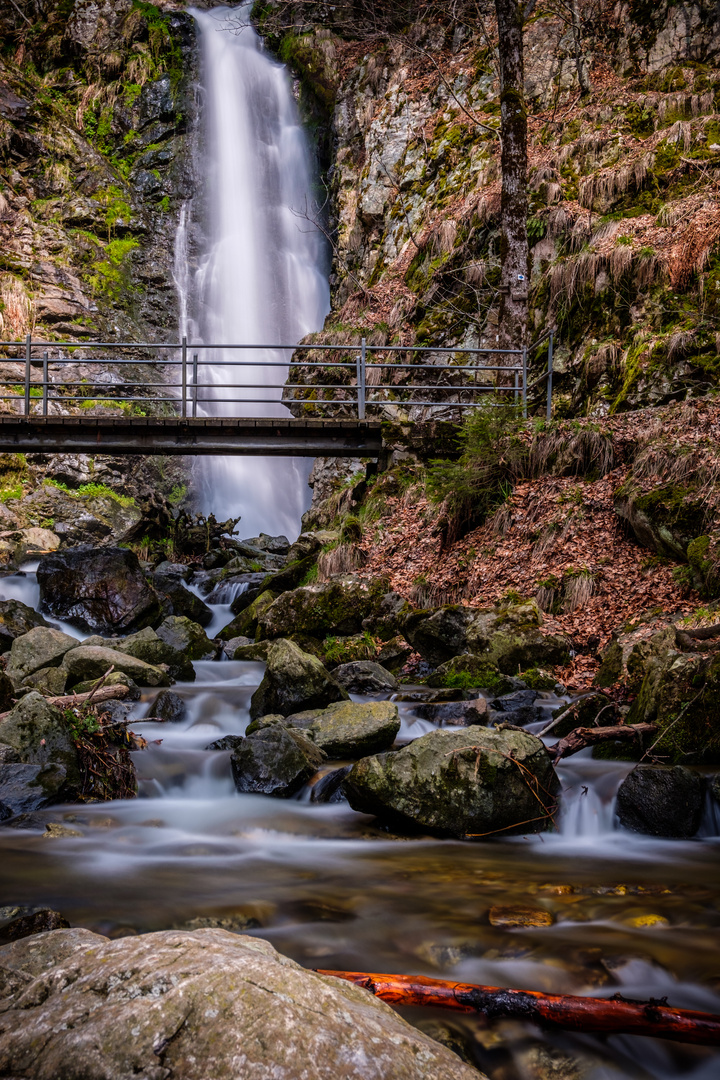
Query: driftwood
x,y
611,1016
587,736
68,700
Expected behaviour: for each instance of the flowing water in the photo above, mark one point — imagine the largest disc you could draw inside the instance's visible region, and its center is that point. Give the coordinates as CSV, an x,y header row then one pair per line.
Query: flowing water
x,y
326,886
323,883
263,279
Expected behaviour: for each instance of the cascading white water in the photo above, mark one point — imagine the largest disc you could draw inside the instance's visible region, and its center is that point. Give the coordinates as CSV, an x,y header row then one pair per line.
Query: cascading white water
x,y
263,279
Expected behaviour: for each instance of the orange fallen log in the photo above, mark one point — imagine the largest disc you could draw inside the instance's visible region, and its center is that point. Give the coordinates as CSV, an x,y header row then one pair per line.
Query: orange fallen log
x,y
609,1016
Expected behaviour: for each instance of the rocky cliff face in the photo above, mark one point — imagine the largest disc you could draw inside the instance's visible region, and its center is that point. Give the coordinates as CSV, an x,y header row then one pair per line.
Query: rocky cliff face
x,y
96,106
624,220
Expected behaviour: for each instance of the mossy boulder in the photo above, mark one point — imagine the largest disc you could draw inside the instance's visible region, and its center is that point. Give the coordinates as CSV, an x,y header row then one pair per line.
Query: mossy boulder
x,y
16,619
148,646
246,623
439,634
470,672
661,801
38,733
348,729
681,693
294,680
470,783
41,647
665,519
275,761
92,661
169,583
365,677
49,680
341,606
186,637
703,555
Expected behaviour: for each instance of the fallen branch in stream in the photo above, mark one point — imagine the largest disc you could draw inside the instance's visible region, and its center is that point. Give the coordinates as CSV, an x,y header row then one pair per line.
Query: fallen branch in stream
x,y
587,736
610,1016
107,693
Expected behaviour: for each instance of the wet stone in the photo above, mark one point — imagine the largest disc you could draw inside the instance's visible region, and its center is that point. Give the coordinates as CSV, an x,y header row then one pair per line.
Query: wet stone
x,y
661,801
227,742
511,917
328,789
455,713
37,922
275,762
170,707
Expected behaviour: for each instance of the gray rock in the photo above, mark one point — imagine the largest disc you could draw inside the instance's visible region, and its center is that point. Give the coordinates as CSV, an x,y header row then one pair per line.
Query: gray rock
x,y
169,706
365,677
454,713
264,722
293,680
335,607
328,789
36,922
25,788
197,1004
470,783
515,708
16,619
347,729
661,801
275,761
276,545
441,634
92,661
169,581
147,646
227,742
97,589
37,731
41,647
186,637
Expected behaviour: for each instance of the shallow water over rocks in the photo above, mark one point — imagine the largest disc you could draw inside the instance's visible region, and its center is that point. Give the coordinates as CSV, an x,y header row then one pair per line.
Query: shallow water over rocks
x,y
331,889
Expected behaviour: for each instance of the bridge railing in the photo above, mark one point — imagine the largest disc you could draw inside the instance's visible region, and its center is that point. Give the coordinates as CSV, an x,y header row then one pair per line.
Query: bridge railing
x,y
197,379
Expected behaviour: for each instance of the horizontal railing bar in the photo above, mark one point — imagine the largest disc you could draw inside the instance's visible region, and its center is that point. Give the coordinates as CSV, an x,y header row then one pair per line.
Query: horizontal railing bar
x,y
277,363
199,345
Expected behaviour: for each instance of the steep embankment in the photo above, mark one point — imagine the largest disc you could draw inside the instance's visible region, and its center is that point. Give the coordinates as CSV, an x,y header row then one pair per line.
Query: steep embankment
x,y
97,113
623,186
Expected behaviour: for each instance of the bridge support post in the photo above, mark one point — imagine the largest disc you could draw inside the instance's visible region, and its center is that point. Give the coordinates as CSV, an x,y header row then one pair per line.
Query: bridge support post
x,y
183,408
195,384
28,358
524,382
45,385
361,379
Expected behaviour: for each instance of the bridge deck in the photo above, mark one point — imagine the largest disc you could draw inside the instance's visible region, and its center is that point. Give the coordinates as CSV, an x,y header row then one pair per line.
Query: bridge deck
x,y
203,435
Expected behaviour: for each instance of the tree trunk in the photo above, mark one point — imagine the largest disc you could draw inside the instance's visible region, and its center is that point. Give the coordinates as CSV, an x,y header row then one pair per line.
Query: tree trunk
x,y
580,58
513,313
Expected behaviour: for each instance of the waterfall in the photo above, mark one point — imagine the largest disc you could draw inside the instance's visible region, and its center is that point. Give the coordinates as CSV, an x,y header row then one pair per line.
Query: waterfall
x,y
264,278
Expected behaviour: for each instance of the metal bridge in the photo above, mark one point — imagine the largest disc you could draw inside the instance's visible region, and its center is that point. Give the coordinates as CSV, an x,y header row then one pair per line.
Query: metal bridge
x,y
178,398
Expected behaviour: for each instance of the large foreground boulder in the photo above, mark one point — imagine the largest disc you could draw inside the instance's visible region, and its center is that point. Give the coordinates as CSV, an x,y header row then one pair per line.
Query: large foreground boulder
x,y
97,589
661,801
469,783
275,761
194,1005
349,729
294,680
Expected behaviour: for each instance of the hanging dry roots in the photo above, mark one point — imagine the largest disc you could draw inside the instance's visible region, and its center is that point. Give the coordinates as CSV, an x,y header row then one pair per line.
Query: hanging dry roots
x,y
610,1016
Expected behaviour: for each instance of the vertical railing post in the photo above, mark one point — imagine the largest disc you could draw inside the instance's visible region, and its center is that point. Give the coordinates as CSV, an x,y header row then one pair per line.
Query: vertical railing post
x,y
524,381
28,358
361,379
183,410
516,395
195,384
550,377
45,385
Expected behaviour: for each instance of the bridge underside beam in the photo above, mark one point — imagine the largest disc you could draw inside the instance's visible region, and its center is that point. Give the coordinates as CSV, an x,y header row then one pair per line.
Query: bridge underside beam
x,y
204,435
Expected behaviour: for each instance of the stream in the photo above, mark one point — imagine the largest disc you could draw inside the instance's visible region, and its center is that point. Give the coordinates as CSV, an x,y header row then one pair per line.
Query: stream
x,y
329,888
